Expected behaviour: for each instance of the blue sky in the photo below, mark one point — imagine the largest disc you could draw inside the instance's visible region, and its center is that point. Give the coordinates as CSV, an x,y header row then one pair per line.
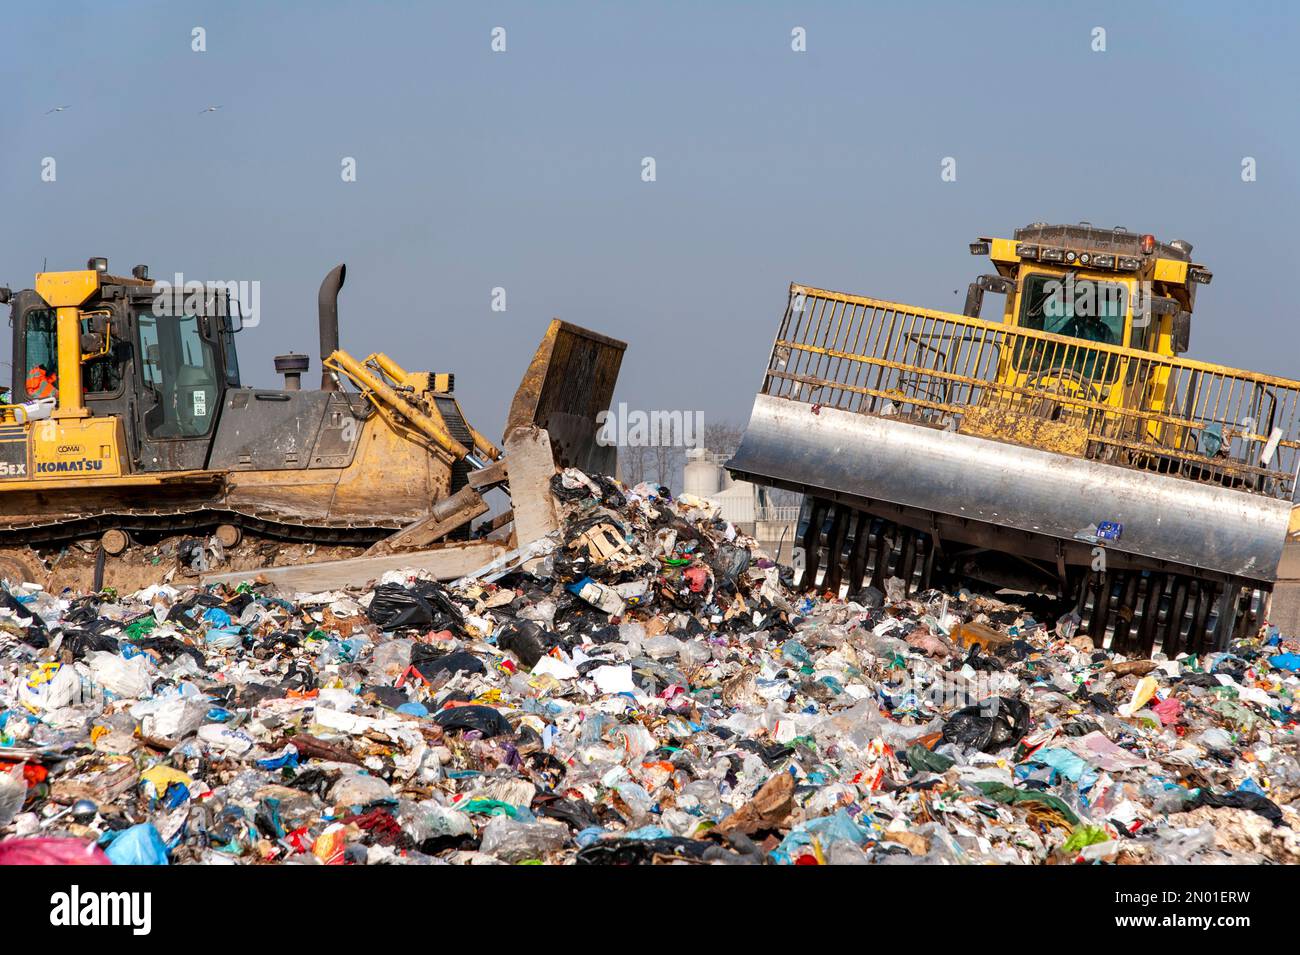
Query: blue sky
x,y
522,169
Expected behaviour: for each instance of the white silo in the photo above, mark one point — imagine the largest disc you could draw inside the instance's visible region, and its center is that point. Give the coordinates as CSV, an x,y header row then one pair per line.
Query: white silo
x,y
701,476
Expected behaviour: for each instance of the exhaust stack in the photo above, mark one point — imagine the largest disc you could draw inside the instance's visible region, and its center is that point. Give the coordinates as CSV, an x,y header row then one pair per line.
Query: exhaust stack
x,y
327,309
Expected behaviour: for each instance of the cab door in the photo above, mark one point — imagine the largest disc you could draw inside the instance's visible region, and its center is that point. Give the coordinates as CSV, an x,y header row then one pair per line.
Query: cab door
x,y
181,389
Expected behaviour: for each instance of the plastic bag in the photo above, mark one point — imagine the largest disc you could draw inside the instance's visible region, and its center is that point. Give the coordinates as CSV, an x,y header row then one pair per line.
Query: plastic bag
x,y
131,679
361,789
51,687
514,841
485,719
424,604
458,661
988,725
526,640
391,659
394,607
51,852
139,845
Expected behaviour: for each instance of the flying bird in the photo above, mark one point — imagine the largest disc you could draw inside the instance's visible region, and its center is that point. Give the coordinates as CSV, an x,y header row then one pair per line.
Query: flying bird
x,y
57,109
210,109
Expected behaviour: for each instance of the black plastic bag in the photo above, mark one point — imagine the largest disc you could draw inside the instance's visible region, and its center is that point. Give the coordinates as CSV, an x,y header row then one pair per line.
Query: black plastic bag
x,y
988,725
80,642
83,614
977,660
315,781
611,496
527,640
446,614
568,493
869,597
728,563
300,677
577,813
425,604
389,696
606,634
430,664
645,851
170,648
771,755
1240,799
395,606
485,719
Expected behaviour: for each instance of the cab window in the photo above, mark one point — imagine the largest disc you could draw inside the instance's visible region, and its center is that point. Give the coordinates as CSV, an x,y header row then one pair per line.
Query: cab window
x,y
1084,309
179,366
98,376
42,347
228,351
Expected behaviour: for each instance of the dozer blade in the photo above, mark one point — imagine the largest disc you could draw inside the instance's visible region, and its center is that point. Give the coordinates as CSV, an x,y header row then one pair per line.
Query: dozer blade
x,y
568,383
1005,496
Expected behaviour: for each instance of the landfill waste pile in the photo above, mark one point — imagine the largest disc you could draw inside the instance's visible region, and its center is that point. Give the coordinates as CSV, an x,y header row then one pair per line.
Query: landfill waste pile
x,y
648,688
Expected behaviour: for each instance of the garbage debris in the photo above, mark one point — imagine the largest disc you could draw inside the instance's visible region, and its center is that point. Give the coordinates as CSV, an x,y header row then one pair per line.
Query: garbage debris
x,y
652,689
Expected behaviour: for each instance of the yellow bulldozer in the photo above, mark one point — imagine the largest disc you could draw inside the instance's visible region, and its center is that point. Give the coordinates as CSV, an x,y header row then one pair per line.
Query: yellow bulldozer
x,y
1064,446
129,423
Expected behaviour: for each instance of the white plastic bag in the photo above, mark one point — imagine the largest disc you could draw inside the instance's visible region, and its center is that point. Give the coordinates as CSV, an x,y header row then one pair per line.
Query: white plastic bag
x,y
131,679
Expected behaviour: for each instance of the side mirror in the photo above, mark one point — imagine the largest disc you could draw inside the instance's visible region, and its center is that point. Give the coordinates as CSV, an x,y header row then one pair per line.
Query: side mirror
x,y
1182,332
985,283
96,336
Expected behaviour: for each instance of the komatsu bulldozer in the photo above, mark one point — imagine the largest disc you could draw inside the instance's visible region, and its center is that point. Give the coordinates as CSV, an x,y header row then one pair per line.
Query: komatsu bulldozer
x,y
1064,446
129,422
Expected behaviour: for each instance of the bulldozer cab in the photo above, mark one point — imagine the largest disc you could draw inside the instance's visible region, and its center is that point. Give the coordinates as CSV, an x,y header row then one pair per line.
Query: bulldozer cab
x,y
159,363
1114,296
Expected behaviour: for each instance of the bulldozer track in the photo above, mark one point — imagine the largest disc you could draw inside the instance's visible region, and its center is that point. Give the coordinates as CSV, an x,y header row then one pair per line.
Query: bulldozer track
x,y
180,520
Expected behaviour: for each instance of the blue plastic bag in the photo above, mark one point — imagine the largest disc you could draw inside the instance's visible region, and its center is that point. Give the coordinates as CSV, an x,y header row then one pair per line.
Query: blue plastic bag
x,y
217,617
139,845
1285,661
